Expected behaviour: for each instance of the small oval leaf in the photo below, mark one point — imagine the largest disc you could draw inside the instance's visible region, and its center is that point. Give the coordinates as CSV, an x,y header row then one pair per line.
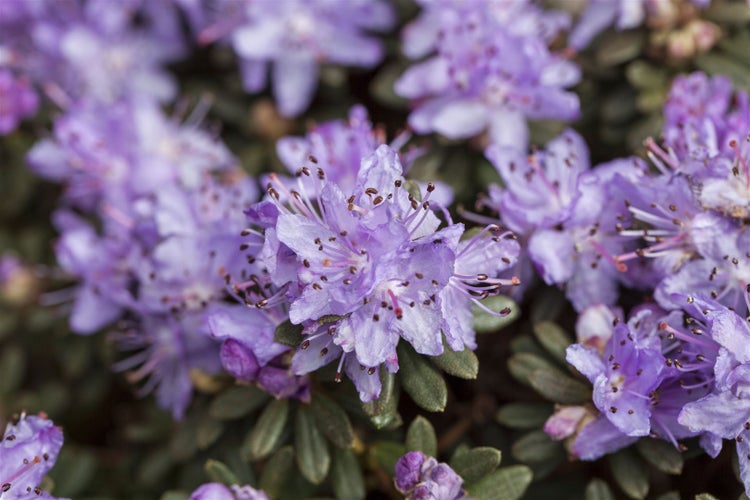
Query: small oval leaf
x,y
598,490
462,364
558,387
346,475
507,483
661,455
276,471
264,437
523,364
629,473
421,437
236,402
218,472
383,411
524,415
313,458
472,465
553,338
288,334
422,381
485,322
537,447
332,421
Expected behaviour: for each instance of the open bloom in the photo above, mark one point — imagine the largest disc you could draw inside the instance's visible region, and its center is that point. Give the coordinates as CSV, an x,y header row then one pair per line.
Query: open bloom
x,y
28,450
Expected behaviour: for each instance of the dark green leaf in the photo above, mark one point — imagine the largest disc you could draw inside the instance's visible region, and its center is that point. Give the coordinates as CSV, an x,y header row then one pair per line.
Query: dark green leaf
x,y
265,436
175,495
209,430
485,322
387,453
313,458
288,334
661,455
619,47
383,412
524,415
333,421
554,340
474,464
220,473
629,473
705,496
537,447
670,495
522,365
717,64
506,483
421,437
236,402
422,381
12,366
346,475
276,471
463,364
598,490
555,386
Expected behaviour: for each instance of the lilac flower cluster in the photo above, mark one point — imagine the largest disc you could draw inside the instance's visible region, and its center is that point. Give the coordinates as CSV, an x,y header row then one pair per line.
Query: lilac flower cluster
x,y
491,70
419,477
28,451
566,213
676,368
294,38
354,253
74,48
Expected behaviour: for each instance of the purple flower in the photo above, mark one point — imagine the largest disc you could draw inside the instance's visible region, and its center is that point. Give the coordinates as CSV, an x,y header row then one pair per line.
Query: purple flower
x,y
568,214
489,73
28,450
17,101
217,491
363,268
419,477
293,38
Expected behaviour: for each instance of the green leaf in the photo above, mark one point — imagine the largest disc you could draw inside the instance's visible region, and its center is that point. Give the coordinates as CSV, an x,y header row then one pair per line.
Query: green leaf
x,y
629,473
661,455
175,495
705,496
422,381
717,64
670,495
463,364
485,322
276,471
619,47
288,334
553,338
421,437
523,364
209,430
537,447
265,436
220,473
12,366
237,401
332,421
598,490
387,453
346,475
555,386
313,458
383,411
524,415
506,483
474,464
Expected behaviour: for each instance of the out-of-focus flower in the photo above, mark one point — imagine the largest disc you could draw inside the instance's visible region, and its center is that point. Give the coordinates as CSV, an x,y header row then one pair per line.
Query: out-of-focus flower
x,y
217,491
420,477
17,100
292,37
28,450
490,71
